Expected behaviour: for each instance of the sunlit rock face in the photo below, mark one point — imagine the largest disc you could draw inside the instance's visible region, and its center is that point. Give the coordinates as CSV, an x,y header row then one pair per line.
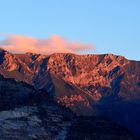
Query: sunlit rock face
x,y
89,85
95,75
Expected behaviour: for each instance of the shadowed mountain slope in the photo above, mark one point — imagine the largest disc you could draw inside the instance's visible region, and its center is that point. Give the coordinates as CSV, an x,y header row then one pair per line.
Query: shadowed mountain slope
x,y
27,114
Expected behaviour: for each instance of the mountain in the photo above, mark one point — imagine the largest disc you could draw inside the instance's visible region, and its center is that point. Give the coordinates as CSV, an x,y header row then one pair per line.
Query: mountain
x,y
90,85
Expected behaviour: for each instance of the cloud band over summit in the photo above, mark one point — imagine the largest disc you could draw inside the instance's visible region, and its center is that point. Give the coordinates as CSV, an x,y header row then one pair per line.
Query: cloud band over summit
x,y
55,44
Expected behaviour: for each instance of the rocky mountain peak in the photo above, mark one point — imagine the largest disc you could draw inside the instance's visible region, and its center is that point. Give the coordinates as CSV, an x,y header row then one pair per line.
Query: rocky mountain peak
x,y
87,84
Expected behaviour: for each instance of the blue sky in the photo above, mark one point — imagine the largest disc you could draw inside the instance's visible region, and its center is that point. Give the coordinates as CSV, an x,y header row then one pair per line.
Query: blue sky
x,y
113,26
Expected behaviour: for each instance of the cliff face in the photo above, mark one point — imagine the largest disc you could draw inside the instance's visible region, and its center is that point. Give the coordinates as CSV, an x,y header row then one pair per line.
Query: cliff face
x,y
87,84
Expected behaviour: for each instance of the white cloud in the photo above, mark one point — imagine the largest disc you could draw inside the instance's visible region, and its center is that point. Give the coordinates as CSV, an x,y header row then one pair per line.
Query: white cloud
x,y
55,44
